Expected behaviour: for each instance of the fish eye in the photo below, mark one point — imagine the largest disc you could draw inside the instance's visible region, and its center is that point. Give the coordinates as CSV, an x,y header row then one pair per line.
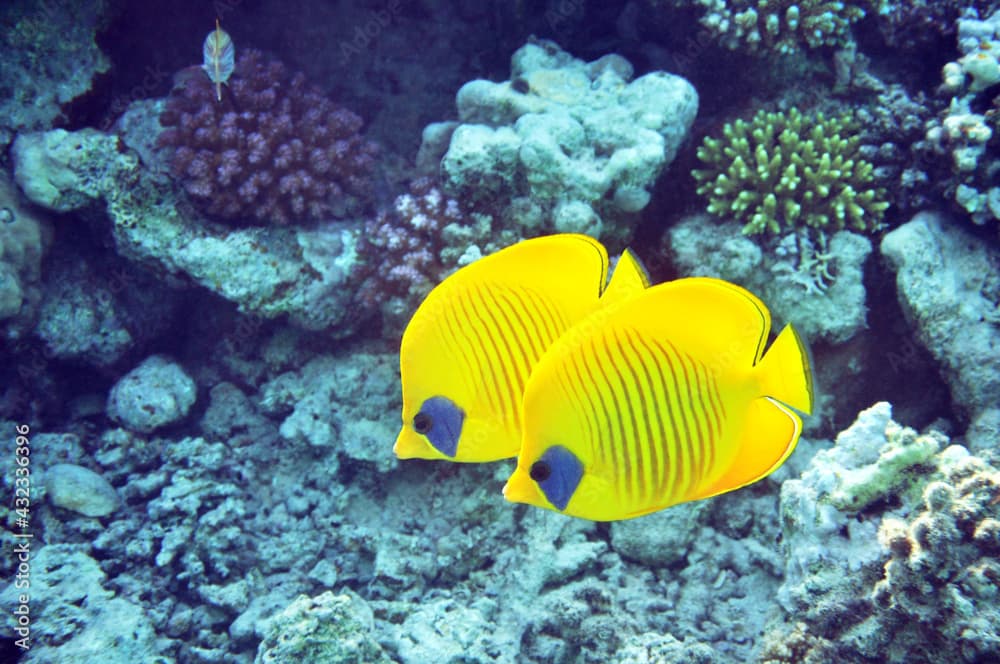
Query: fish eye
x,y
540,471
422,423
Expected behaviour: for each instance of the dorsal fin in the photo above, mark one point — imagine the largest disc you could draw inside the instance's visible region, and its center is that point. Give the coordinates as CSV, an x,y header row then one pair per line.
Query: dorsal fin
x,y
628,279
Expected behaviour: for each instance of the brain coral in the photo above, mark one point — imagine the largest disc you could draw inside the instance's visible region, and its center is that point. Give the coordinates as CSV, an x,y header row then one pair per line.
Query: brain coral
x,y
274,149
784,170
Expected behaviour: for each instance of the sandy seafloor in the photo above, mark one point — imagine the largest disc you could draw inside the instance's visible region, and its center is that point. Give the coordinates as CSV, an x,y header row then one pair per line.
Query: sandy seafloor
x,y
203,289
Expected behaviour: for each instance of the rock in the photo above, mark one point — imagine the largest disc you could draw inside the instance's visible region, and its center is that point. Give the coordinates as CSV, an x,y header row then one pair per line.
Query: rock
x,y
80,490
269,271
74,618
154,394
65,171
24,238
334,629
565,132
661,539
948,285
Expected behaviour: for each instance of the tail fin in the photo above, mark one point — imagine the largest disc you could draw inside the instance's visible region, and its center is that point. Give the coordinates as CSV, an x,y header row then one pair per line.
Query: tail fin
x,y
786,371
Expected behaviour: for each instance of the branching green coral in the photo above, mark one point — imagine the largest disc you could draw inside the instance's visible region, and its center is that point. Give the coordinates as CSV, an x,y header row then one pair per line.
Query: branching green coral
x,y
785,170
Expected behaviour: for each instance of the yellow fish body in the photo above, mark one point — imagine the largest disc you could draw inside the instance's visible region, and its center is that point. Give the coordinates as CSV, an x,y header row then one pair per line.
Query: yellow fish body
x,y
664,398
470,347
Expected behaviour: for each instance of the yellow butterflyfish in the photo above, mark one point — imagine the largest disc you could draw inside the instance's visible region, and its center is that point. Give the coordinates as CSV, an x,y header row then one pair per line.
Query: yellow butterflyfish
x,y
470,347
665,397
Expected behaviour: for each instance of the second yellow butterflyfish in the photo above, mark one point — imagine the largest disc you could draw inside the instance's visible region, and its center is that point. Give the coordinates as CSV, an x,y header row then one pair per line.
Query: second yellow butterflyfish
x,y
663,398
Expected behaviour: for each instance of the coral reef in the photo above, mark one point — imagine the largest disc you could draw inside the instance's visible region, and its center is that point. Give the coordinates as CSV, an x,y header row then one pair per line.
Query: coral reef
x,y
582,141
784,170
918,25
24,236
967,130
273,150
949,288
891,540
77,618
316,406
96,312
328,628
269,271
50,58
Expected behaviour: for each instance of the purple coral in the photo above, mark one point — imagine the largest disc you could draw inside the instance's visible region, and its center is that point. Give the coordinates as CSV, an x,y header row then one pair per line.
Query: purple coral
x,y
273,150
401,245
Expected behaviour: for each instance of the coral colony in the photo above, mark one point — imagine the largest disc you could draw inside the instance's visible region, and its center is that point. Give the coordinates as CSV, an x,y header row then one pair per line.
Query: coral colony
x,y
205,279
268,148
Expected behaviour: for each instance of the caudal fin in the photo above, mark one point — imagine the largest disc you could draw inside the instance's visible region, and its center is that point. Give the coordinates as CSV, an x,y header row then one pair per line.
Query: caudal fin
x,y
786,372
771,428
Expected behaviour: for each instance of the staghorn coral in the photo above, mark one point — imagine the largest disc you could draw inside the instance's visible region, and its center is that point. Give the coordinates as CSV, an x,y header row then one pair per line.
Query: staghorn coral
x,y
274,150
784,170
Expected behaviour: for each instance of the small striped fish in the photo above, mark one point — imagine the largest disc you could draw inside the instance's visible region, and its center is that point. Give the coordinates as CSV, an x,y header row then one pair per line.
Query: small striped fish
x,y
218,56
668,398
469,349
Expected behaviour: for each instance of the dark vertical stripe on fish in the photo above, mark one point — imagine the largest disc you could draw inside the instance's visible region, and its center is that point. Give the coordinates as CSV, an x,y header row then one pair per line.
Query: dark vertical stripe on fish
x,y
700,438
643,412
630,389
721,409
684,448
555,325
528,324
711,417
626,456
458,342
491,377
614,425
654,414
508,366
593,388
510,332
670,444
587,407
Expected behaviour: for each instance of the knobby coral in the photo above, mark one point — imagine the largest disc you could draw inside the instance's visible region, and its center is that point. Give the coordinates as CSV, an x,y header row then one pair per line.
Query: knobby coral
x,y
409,248
786,170
779,26
273,150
